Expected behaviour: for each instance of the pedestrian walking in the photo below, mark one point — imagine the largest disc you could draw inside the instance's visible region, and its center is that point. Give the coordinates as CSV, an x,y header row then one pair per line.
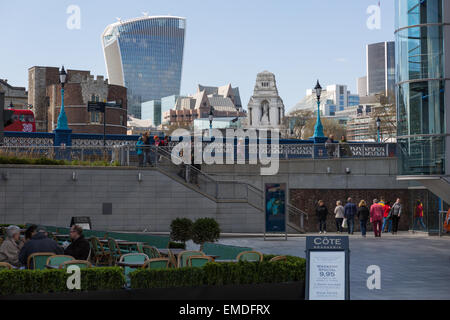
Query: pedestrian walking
x,y
363,216
139,150
387,221
395,213
339,216
418,215
349,214
322,213
146,139
376,217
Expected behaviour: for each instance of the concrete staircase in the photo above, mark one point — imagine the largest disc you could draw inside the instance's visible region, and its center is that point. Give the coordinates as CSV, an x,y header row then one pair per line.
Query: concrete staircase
x,y
222,191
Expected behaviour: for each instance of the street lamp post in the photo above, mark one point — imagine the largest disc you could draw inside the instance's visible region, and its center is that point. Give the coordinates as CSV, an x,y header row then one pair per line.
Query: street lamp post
x,y
62,118
318,129
62,132
378,129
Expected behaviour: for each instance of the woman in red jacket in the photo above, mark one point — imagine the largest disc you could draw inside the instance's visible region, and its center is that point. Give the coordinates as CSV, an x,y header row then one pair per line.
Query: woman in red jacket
x,y
418,215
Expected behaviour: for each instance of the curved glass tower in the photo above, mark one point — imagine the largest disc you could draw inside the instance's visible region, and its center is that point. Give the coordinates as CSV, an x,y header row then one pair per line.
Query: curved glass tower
x,y
422,86
146,56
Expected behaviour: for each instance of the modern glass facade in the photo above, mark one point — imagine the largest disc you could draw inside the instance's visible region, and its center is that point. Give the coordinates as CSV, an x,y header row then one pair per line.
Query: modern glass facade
x,y
421,87
146,56
152,110
381,68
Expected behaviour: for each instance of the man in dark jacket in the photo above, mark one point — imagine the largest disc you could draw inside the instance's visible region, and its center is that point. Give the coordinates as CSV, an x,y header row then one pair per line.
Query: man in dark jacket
x,y
79,248
39,242
349,214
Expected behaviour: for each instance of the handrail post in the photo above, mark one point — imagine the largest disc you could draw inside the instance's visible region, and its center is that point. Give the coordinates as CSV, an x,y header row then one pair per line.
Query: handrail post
x,y
302,221
217,190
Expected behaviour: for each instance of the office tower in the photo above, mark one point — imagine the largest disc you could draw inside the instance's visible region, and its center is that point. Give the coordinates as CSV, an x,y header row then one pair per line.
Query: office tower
x,y
145,55
381,68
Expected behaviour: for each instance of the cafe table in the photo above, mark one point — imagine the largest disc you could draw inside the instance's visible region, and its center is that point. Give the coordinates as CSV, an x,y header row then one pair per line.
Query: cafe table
x,y
131,264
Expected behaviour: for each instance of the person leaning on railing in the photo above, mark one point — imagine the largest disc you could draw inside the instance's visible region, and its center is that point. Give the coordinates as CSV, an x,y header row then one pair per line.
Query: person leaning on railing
x,y
139,151
329,145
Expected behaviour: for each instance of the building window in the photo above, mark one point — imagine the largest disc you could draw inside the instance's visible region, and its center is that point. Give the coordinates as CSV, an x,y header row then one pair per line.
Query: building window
x,y
95,117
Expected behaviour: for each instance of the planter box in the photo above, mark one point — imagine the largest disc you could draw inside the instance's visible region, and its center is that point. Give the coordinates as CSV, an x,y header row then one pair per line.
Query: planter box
x,y
271,291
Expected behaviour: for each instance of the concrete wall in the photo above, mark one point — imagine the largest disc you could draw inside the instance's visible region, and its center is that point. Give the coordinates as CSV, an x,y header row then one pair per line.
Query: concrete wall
x,y
48,195
313,174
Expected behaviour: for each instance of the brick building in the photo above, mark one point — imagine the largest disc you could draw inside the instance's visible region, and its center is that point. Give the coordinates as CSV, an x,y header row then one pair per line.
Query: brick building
x,y
17,96
81,87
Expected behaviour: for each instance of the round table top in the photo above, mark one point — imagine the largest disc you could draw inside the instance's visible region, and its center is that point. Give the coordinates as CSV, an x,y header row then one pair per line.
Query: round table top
x,y
130,264
165,251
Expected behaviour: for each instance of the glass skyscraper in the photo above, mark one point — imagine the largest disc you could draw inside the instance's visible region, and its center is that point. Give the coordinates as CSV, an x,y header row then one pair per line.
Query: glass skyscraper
x,y
381,68
146,56
422,84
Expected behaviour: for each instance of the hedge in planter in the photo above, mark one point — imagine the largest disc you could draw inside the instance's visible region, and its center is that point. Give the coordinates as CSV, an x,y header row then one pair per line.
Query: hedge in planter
x,y
45,281
217,274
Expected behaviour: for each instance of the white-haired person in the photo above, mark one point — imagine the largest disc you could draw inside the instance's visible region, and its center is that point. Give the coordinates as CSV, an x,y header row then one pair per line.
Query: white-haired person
x,y
10,248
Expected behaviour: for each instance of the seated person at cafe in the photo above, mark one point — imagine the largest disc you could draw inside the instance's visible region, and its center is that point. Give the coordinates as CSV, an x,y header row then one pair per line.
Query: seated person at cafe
x,y
39,242
79,248
10,248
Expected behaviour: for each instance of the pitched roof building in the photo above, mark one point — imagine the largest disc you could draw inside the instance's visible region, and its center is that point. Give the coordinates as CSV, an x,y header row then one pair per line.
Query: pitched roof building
x,y
225,101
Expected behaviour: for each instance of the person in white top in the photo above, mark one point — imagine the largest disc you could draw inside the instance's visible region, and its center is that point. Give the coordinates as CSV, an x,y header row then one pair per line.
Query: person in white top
x,y
339,216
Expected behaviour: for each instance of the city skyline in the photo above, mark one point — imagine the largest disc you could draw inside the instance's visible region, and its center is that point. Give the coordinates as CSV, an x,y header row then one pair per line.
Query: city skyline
x,y
250,38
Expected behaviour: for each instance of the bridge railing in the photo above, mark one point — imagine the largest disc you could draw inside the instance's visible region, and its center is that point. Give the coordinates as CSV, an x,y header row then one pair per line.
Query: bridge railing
x,y
285,151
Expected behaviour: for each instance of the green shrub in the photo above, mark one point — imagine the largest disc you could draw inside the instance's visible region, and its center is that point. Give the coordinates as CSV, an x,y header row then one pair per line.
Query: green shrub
x,y
218,274
205,230
46,161
181,229
44,281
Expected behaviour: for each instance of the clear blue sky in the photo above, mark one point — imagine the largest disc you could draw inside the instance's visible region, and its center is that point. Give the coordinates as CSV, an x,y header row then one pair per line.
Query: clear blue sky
x,y
226,41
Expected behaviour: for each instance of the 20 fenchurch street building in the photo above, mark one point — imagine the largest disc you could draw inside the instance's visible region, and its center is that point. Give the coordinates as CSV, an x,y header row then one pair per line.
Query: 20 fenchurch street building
x,y
145,55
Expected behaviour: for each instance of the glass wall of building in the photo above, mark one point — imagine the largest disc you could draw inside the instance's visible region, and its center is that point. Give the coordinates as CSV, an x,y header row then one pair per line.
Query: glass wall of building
x,y
420,85
381,68
149,60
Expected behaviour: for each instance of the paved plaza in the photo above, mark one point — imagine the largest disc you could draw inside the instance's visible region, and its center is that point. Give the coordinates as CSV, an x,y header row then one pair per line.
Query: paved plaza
x,y
412,266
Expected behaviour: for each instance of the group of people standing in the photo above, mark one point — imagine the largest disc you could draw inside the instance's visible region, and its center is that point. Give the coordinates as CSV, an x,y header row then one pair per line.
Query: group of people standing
x,y
380,214
145,152
333,147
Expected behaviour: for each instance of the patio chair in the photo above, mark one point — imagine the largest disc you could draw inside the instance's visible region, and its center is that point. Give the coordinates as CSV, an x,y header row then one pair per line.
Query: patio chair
x,y
38,260
98,254
198,261
278,258
184,255
56,260
132,257
114,251
139,248
253,256
5,266
151,252
157,263
172,259
82,264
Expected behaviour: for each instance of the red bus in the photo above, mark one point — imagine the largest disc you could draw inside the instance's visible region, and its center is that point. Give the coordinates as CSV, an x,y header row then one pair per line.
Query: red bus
x,y
19,120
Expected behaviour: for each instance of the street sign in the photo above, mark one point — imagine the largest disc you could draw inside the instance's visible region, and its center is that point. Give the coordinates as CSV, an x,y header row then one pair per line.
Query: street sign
x,y
327,268
94,106
275,201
